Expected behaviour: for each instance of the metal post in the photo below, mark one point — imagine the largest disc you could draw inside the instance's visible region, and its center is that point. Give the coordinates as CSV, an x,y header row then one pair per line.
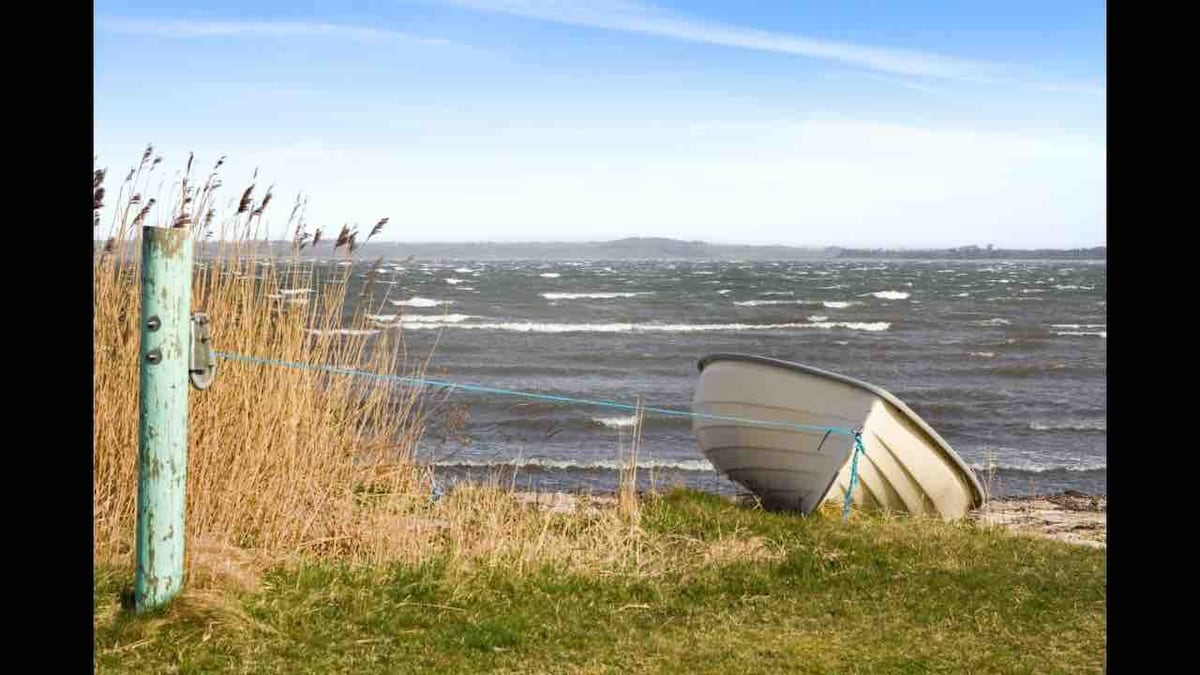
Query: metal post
x,y
163,405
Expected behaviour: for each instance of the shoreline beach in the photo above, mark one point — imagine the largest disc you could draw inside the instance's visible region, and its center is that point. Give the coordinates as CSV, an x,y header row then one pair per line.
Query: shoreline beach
x,y
1069,516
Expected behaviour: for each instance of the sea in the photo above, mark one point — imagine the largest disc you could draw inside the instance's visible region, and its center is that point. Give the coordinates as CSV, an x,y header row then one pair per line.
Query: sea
x,y
1005,359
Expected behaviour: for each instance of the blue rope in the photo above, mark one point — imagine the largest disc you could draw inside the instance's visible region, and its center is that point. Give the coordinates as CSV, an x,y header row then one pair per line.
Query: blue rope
x,y
666,412
859,448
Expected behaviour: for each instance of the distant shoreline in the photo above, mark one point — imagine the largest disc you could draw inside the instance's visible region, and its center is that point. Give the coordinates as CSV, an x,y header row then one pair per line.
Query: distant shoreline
x,y
639,248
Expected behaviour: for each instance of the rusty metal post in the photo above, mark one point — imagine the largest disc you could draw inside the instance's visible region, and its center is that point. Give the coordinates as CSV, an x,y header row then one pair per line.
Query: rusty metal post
x,y
163,409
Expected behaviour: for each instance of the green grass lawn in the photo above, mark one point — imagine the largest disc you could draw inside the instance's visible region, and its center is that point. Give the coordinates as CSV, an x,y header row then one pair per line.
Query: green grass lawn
x,y
803,595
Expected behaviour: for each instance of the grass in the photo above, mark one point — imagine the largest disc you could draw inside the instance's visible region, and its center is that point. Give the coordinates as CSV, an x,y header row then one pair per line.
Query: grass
x,y
747,591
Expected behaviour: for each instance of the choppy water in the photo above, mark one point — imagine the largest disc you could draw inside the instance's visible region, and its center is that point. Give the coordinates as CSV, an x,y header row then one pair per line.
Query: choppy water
x,y
1006,360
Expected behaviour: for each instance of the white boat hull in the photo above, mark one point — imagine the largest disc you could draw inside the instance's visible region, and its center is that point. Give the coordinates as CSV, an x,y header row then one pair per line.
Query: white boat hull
x,y
907,466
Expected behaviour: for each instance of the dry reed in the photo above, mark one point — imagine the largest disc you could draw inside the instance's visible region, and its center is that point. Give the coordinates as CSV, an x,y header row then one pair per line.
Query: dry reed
x,y
278,457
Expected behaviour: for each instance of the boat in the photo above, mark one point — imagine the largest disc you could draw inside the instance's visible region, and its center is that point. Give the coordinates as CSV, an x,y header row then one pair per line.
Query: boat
x,y
784,431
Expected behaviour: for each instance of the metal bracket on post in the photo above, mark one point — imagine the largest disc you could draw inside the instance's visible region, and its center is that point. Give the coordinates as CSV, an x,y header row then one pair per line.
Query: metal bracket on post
x,y
202,362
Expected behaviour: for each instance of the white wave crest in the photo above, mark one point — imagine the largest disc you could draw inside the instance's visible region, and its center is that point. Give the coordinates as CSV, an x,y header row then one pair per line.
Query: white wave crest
x,y
616,422
421,302
758,303
538,327
590,296
408,320
890,295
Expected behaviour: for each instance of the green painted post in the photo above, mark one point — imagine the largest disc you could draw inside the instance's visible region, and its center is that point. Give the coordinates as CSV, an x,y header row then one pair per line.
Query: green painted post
x,y
162,409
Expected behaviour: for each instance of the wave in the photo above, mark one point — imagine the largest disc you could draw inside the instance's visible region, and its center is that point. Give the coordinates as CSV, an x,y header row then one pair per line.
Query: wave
x,y
1033,369
1070,425
573,465
616,422
758,303
421,302
537,327
1078,325
409,320
591,296
724,291
550,275
454,281
827,304
994,322
1037,467
1097,333
890,295
986,355
818,318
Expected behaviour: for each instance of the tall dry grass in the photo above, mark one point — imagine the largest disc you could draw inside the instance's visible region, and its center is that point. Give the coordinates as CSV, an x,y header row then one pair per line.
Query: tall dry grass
x,y
278,457
295,464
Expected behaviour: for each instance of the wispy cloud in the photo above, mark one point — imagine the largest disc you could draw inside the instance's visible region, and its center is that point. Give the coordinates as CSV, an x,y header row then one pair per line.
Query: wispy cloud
x,y
177,28
637,17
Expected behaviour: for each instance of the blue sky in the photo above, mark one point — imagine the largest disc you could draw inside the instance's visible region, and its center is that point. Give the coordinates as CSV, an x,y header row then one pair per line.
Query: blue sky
x,y
830,123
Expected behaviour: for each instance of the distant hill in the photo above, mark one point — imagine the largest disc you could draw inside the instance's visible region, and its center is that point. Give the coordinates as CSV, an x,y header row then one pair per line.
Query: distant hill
x,y
653,248
633,248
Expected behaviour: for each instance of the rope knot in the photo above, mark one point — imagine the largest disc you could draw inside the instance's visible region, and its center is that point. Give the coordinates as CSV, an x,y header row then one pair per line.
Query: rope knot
x,y
859,448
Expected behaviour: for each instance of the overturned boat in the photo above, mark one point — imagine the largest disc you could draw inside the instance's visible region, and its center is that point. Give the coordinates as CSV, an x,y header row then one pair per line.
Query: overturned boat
x,y
783,431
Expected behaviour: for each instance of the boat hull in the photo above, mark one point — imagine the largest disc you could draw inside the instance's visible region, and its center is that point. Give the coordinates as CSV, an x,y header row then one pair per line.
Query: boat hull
x,y
907,467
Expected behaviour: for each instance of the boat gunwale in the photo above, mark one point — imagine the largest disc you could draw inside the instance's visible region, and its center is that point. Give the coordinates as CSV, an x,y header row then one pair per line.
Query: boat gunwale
x,y
942,445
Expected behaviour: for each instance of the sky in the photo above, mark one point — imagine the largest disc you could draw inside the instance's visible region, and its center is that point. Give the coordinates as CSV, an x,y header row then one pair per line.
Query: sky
x,y
848,123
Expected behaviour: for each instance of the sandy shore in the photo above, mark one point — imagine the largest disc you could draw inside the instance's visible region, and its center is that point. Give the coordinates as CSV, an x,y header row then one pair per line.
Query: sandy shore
x,y
1069,517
